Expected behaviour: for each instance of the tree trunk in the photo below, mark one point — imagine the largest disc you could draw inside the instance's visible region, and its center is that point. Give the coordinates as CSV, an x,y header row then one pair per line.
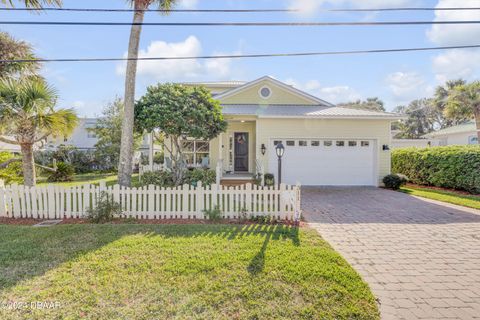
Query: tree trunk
x,y
477,121
126,148
28,164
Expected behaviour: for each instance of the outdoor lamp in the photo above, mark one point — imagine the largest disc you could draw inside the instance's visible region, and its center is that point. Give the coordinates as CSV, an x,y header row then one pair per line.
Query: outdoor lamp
x,y
280,150
263,149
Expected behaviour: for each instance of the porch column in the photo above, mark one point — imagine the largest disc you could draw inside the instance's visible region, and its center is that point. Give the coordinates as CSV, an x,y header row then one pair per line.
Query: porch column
x,y
150,151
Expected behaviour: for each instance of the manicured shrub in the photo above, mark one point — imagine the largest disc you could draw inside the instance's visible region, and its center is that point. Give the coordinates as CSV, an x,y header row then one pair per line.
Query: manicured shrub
x,y
455,167
394,181
158,178
64,173
207,177
105,211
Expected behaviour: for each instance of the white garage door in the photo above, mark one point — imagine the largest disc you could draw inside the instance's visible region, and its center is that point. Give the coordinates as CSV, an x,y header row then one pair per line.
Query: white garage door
x,y
328,162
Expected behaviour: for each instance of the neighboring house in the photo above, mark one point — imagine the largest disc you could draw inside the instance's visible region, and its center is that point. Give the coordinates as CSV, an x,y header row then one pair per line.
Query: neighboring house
x,y
463,134
81,138
324,144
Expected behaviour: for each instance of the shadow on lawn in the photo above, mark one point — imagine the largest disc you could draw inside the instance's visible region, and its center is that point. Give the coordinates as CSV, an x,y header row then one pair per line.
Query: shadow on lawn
x,y
27,252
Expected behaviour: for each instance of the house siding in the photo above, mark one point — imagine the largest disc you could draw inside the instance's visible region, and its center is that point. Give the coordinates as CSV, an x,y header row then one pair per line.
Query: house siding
x,y
279,96
378,130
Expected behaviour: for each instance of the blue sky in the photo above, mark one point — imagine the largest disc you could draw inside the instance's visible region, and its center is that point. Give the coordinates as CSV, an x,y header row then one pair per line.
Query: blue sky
x,y
395,78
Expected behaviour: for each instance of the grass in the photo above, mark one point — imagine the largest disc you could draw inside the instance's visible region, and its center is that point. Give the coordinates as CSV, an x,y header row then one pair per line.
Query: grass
x,y
93,178
178,271
470,201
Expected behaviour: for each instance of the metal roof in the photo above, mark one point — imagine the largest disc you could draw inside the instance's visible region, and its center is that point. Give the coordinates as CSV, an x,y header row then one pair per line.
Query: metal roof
x,y
469,126
303,111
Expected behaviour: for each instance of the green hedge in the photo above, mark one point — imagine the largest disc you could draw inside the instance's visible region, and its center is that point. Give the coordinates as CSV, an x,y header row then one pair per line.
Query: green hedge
x,y
456,167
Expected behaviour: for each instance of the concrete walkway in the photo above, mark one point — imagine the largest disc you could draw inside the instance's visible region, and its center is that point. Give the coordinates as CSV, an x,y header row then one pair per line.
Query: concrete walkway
x,y
421,258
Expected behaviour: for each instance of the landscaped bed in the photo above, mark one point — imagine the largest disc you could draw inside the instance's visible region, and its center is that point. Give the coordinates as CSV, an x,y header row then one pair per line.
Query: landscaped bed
x,y
177,271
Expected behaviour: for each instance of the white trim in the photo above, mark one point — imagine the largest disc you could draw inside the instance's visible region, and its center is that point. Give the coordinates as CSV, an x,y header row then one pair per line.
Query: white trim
x,y
282,85
393,118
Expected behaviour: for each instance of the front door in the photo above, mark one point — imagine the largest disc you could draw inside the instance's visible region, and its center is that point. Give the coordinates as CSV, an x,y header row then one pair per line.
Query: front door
x,y
241,152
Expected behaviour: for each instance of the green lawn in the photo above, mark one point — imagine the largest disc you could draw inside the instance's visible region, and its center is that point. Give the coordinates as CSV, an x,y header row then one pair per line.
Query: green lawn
x,y
470,201
93,178
178,271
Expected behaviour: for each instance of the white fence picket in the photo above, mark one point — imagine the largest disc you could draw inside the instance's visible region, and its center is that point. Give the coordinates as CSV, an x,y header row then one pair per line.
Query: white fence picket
x,y
151,202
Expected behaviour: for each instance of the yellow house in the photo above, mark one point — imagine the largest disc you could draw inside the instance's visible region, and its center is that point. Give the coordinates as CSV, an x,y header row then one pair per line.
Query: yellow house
x,y
324,144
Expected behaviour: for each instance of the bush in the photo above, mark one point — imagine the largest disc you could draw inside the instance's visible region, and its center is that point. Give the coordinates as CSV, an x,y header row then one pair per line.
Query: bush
x,y
394,181
158,178
159,158
64,173
82,161
13,172
214,214
105,211
455,167
207,177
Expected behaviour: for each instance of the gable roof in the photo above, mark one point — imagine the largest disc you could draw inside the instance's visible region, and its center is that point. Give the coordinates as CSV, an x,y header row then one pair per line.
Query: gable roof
x,y
280,84
466,127
305,111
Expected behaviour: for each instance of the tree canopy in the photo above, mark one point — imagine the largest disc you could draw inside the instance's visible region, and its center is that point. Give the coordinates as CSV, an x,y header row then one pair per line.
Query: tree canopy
x,y
12,49
179,112
371,104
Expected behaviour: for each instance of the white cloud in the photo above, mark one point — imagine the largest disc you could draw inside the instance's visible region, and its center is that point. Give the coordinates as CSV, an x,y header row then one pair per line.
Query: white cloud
x,y
173,70
407,86
334,94
311,7
456,64
455,34
188,4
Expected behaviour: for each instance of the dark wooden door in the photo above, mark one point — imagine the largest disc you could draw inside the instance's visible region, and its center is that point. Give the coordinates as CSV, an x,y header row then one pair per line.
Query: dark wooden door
x,y
241,152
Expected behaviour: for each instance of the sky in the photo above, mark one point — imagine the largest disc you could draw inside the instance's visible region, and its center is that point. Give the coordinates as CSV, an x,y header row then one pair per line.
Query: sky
x,y
395,78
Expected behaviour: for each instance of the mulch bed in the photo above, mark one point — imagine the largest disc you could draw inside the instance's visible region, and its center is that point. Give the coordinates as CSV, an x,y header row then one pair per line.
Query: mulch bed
x,y
31,222
465,193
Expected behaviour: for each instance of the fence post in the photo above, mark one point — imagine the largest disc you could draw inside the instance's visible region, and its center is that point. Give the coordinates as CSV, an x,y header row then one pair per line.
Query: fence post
x,y
298,206
3,207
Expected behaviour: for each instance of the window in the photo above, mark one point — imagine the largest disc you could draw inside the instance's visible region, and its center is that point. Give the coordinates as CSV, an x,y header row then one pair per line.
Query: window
x,y
365,143
91,135
340,143
195,151
265,92
290,143
315,143
327,143
276,142
352,143
302,143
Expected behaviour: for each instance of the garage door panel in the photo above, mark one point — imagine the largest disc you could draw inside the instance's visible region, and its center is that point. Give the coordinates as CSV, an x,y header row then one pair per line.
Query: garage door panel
x,y
327,165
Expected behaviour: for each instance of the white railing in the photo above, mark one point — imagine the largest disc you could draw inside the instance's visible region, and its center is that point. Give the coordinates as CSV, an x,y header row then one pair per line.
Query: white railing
x,y
152,202
148,168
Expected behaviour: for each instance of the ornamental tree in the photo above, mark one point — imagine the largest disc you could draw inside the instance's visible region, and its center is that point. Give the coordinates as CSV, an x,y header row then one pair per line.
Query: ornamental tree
x,y
175,112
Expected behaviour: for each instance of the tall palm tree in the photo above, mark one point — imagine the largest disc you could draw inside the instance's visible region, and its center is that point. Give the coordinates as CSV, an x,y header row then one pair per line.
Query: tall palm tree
x,y
126,149
10,49
33,3
28,116
440,101
464,102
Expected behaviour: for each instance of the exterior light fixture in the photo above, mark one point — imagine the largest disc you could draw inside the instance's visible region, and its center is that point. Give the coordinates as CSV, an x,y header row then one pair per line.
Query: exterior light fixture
x,y
280,150
263,149
386,147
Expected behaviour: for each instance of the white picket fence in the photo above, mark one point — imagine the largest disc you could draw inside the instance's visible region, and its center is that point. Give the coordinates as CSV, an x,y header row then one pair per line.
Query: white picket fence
x,y
152,202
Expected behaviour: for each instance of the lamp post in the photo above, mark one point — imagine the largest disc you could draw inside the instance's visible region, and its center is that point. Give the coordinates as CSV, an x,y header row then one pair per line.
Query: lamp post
x,y
280,150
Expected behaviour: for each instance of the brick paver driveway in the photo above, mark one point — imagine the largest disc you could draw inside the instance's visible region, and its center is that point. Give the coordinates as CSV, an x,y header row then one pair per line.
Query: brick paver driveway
x,y
421,259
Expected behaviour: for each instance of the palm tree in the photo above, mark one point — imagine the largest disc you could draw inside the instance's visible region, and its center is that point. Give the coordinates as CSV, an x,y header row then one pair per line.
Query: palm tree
x,y
10,49
464,102
126,149
441,98
28,116
33,3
